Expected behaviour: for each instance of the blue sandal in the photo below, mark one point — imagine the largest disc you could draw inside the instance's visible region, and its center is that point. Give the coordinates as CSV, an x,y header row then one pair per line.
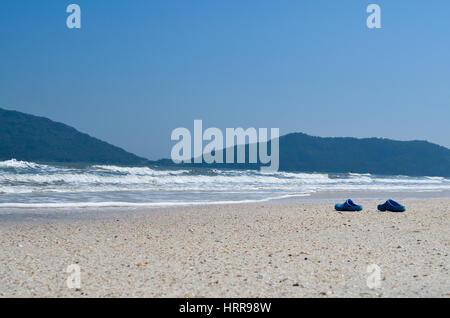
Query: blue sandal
x,y
348,205
391,205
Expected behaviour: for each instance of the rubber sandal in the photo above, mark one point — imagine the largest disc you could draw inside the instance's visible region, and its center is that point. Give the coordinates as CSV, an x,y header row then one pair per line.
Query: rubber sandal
x,y
348,205
391,205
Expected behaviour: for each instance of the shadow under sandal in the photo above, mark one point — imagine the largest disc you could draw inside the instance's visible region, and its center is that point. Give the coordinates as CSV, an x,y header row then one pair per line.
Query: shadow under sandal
x,y
348,205
391,205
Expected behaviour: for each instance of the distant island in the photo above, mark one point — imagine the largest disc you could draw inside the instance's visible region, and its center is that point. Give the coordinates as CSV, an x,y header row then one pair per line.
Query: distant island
x,y
31,138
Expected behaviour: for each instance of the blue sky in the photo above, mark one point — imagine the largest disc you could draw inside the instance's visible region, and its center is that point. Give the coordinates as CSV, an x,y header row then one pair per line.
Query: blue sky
x,y
138,69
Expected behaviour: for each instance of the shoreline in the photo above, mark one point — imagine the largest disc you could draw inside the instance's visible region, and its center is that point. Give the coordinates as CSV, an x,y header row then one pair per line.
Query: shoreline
x,y
315,197
245,250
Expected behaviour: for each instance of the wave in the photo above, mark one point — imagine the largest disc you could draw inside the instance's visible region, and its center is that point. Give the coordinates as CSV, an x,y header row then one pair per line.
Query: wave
x,y
436,178
138,204
144,171
32,183
16,164
359,174
167,179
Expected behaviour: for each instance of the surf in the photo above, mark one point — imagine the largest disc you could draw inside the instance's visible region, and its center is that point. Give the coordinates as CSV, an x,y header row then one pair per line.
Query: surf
x,y
30,184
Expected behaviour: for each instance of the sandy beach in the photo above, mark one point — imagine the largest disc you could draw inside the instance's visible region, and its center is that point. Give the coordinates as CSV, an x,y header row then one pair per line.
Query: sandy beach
x,y
246,250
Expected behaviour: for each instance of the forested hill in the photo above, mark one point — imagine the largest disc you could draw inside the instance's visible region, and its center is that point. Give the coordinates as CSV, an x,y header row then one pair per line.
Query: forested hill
x,y
31,138
369,155
301,152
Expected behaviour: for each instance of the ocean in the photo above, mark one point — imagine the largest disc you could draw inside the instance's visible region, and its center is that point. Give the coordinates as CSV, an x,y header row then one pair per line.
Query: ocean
x,y
32,185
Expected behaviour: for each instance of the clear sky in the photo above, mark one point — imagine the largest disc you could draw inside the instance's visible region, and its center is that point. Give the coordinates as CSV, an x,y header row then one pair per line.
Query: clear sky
x,y
138,69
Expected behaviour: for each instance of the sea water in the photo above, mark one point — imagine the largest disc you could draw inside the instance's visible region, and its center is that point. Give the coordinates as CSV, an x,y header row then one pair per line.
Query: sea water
x,y
28,184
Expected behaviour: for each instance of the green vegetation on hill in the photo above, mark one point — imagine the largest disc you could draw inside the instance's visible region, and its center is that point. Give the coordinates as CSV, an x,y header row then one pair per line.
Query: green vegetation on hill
x,y
369,155
301,152
31,138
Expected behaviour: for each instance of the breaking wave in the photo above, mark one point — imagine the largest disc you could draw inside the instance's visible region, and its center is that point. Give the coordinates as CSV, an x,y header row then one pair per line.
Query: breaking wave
x,y
25,184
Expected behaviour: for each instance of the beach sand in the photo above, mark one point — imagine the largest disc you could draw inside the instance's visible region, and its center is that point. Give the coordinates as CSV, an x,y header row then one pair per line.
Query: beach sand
x,y
248,250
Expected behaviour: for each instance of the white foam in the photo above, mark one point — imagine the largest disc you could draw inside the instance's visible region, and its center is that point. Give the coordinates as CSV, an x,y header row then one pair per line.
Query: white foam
x,y
139,170
98,182
436,178
135,204
16,164
359,174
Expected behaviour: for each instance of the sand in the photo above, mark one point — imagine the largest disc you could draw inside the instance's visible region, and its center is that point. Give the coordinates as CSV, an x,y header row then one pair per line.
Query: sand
x,y
252,250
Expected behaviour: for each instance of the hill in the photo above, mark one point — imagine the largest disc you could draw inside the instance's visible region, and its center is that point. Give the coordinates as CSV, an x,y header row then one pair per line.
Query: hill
x,y
369,155
301,152
31,138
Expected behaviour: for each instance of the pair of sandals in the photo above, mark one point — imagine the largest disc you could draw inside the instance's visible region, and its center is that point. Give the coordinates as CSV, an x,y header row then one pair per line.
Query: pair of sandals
x,y
389,205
